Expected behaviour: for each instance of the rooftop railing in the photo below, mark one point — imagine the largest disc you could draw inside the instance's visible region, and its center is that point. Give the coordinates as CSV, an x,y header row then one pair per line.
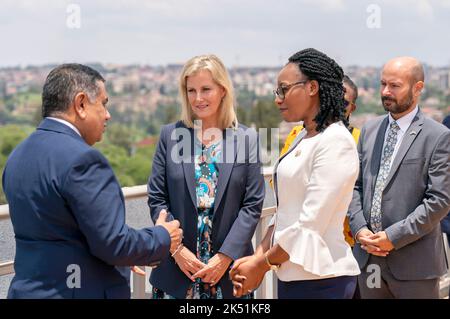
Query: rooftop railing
x,y
140,286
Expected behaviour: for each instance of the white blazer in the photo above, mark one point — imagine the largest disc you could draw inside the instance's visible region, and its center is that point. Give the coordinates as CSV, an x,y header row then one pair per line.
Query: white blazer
x,y
313,188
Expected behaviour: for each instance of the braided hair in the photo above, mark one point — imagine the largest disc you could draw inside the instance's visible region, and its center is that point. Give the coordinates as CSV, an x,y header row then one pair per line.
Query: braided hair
x,y
318,66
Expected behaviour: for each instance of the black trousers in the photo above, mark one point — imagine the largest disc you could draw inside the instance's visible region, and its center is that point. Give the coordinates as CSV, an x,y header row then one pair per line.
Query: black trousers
x,y
331,288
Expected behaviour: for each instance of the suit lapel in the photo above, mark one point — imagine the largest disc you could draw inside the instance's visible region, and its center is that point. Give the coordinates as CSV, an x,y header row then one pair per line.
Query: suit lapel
x,y
296,141
377,152
224,167
189,176
409,137
188,164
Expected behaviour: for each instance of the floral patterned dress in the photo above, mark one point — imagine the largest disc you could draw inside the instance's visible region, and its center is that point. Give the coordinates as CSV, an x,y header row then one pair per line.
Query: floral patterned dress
x,y
206,177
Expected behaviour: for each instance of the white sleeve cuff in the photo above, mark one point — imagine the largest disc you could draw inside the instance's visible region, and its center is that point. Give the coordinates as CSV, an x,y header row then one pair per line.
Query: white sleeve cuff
x,y
272,221
307,249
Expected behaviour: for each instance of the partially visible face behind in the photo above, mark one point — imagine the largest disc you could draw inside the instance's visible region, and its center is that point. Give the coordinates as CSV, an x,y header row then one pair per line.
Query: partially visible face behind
x,y
396,88
349,97
295,105
205,96
96,117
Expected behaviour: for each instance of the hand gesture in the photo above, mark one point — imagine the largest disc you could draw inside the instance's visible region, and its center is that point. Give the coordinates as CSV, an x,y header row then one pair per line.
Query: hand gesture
x,y
380,241
188,262
138,270
173,227
247,274
364,237
215,269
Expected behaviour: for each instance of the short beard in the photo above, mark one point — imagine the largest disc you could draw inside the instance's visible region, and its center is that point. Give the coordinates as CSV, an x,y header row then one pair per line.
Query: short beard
x,y
396,107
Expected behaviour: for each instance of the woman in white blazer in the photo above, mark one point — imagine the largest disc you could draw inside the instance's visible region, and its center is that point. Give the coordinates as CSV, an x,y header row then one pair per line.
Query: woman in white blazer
x,y
313,184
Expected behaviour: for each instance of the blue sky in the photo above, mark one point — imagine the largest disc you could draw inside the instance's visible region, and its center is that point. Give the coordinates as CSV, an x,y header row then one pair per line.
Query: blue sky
x,y
241,32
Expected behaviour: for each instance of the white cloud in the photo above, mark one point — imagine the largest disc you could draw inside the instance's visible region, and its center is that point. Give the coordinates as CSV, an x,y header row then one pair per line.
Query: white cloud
x,y
255,32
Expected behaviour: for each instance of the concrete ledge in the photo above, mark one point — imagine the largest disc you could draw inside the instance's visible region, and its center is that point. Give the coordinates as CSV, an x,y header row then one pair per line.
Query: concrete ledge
x,y
4,212
6,268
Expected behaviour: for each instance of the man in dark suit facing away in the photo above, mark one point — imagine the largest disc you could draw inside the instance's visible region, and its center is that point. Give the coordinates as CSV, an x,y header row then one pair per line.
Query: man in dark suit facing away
x,y
66,206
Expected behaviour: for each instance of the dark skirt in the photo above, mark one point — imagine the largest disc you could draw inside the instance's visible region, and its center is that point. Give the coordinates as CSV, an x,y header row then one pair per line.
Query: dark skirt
x,y
331,288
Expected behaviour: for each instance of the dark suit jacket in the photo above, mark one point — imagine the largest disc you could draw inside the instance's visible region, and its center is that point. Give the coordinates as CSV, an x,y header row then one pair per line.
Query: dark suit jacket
x,y
67,208
416,196
238,202
446,121
445,223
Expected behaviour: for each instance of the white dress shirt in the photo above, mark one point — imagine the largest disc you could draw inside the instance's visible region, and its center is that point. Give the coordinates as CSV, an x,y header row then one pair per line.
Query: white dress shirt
x,y
314,186
404,123
65,123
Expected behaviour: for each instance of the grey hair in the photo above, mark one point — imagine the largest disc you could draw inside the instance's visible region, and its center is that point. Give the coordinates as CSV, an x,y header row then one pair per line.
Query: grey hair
x,y
64,82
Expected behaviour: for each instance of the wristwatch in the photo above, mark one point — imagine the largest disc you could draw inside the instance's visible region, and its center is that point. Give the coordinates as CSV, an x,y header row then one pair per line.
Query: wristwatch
x,y
272,266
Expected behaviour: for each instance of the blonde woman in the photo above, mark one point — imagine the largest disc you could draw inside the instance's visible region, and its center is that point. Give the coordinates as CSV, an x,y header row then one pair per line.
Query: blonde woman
x,y
206,176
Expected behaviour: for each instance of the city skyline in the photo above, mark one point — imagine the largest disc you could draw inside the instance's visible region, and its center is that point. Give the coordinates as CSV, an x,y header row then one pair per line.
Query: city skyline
x,y
242,33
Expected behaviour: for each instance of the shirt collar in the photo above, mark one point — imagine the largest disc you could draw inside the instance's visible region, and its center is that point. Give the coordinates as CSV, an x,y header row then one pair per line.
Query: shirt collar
x,y
405,121
65,123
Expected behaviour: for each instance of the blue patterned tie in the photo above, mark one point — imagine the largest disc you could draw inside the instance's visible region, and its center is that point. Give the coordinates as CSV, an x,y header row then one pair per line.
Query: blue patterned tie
x,y
386,158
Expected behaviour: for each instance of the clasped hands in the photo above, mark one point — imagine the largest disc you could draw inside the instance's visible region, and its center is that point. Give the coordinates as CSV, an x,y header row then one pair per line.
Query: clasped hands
x,y
194,268
187,261
247,274
376,244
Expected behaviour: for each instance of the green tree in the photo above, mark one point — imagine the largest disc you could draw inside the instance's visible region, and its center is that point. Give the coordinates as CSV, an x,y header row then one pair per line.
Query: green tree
x,y
10,137
2,165
117,158
243,115
37,116
129,170
116,155
369,107
152,127
171,114
167,113
265,114
432,91
122,136
138,168
245,98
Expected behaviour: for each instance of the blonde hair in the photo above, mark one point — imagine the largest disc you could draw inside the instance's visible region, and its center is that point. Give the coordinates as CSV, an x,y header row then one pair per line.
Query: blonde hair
x,y
210,62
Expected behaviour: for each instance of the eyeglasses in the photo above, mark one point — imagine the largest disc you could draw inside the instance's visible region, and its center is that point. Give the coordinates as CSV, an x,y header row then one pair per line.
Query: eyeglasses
x,y
282,90
347,103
